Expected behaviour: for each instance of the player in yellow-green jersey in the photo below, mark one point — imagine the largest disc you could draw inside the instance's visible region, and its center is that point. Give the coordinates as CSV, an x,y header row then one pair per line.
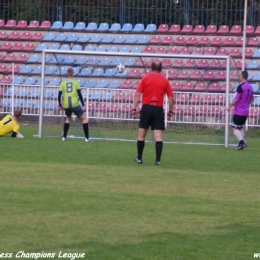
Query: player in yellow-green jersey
x,y
9,124
68,98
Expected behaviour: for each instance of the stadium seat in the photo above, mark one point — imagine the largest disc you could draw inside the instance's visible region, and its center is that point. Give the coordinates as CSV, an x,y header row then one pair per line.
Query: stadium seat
x,y
175,28
41,46
45,25
185,51
204,41
229,41
2,23
221,75
26,69
216,41
208,98
136,49
105,61
131,39
89,48
182,98
160,50
92,26
23,92
250,29
25,36
179,41
18,80
197,51
202,64
236,29
18,103
150,28
187,86
127,84
211,29
56,25
72,38
148,50
109,72
248,53
65,47
85,72
134,73
29,47
3,35
155,40
6,46
114,84
239,64
3,68
187,29
1,56
256,53
195,99
30,81
215,64
98,72
84,38
235,53
256,76
173,50
6,80
100,48
257,30
101,107
75,71
195,75
37,70
107,96
166,63
119,39
54,82
50,70
200,87
178,63
256,101
10,24
90,83
53,46
183,74
167,40
198,29
253,42
126,108
103,27
14,36
143,40
176,86
68,26
22,24
50,36
219,99
215,111
222,51
202,111
223,29
92,60
107,38
96,38
124,49
95,95
10,57
116,61
115,27
239,42
208,75
138,28
69,60
127,27
112,48
255,87
60,37
190,63
76,47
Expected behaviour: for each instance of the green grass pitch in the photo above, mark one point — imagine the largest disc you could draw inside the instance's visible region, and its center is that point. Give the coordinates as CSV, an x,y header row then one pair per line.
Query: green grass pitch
x,y
202,202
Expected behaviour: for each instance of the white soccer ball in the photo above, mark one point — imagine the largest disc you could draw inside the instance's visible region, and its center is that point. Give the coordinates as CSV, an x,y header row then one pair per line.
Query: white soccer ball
x,y
120,68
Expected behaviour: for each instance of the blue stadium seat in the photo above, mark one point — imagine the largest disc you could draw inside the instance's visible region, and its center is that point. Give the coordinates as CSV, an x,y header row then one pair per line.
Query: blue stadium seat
x,y
75,71
96,38
41,46
53,46
56,58
131,39
95,95
76,47
255,87
116,61
50,70
103,27
129,62
56,25
80,26
68,26
81,60
27,104
107,96
114,84
81,82
39,81
26,69
83,38
90,83
143,40
18,103
85,72
119,39
102,83
54,82
150,28
29,81
60,37
124,49
256,53
98,72
47,94
34,58
9,92
115,27
51,105
37,105
253,64
92,27
62,71
72,38
112,48
89,48
139,27
65,47
69,59
34,92
109,73
22,93
6,103
18,80
256,76
100,48
136,49
127,27
93,60
50,36
107,39
105,61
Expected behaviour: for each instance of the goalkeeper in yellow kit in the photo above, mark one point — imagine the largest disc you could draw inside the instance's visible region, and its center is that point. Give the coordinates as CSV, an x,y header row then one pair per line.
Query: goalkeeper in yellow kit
x,y
9,124
70,94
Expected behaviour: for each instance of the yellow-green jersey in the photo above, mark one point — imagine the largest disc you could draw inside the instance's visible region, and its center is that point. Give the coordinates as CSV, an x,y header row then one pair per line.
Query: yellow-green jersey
x,y
8,124
69,88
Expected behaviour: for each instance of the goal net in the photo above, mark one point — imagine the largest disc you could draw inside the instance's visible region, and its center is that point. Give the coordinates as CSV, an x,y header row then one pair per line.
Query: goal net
x,y
203,86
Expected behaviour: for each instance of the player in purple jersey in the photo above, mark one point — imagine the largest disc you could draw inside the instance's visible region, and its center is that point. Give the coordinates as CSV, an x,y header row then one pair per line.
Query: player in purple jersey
x,y
243,98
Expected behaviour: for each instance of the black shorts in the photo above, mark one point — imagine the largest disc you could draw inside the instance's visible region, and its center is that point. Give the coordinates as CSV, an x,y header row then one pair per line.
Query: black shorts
x,y
238,121
78,111
152,116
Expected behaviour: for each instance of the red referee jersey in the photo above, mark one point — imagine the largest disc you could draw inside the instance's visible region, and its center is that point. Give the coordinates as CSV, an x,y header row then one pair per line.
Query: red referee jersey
x,y
153,87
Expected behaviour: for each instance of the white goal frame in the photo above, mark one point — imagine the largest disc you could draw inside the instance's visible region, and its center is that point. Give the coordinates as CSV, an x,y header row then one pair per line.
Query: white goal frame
x,y
141,55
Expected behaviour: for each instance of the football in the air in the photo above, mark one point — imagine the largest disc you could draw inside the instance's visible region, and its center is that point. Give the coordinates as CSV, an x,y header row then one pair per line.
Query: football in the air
x,y
120,68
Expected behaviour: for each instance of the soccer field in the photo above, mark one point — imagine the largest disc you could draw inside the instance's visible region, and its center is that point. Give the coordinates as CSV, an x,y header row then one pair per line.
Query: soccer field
x,y
202,202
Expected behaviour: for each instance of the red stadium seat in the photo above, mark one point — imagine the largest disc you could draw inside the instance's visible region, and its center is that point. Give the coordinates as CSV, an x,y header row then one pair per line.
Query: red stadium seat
x,y
219,99
250,29
145,72
175,28
254,42
136,84
10,24
190,63
21,58
37,36
163,28
29,47
204,41
126,84
234,75
230,41
45,25
160,50
203,64
134,73
14,68
189,111
21,24
119,97
257,31
215,64
1,56
148,49
221,75
202,111
177,110
222,51
176,86
14,36
239,41
199,29
141,62
3,68
185,51
33,25
209,51
150,61
26,36
172,74
197,51
211,29
178,63
113,108
248,53
173,50
6,80
187,86
155,40
166,63
182,98
6,46
236,29
239,64
207,99
187,29
216,41
126,108
195,75
101,107
223,29
235,53
179,41
167,40
208,75
192,41
3,35
254,113
17,46
10,57
2,23
215,111
195,99
200,87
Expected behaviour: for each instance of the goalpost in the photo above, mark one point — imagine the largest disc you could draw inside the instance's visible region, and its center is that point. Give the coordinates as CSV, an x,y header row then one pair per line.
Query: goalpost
x,y
200,115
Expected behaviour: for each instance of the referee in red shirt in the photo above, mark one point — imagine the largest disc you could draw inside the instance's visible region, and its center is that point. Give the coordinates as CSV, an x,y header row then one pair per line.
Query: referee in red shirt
x,y
152,87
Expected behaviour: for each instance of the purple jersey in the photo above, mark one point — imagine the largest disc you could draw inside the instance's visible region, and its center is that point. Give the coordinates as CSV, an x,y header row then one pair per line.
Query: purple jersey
x,y
244,95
